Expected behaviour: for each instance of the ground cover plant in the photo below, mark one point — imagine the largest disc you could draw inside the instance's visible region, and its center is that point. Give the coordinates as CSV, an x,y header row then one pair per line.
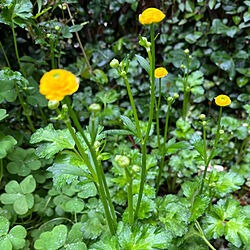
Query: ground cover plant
x,y
124,124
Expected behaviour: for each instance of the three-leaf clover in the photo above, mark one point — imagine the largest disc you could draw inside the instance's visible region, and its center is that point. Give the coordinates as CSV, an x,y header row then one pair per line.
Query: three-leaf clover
x,y
13,239
20,195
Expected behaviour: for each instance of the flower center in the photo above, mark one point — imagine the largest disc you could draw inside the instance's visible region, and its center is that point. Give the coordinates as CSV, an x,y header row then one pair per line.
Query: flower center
x,y
56,76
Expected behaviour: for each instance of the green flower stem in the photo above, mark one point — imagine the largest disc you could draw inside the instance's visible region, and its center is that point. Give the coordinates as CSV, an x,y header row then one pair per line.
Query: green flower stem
x,y
1,169
133,107
52,53
5,56
16,49
204,144
25,109
143,177
186,93
152,70
93,135
243,149
151,114
202,235
130,196
43,115
157,105
99,178
212,151
163,149
94,158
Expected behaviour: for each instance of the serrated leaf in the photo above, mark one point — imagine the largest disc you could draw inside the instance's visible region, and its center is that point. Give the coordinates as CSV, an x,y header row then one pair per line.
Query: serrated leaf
x,y
129,124
52,141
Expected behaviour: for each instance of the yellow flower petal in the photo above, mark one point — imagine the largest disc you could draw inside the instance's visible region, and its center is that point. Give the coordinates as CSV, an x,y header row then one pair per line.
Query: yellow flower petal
x,y
58,83
160,72
151,15
222,100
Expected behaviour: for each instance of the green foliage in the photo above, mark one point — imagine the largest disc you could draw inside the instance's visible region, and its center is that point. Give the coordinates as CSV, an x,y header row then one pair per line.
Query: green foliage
x,y
7,142
20,195
23,161
51,141
227,218
13,239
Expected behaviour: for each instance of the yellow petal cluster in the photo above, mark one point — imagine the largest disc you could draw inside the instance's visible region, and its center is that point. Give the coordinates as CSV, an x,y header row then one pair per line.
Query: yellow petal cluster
x,y
151,15
222,100
58,83
160,72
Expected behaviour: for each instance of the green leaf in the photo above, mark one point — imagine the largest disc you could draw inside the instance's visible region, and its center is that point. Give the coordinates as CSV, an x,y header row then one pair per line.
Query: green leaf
x,y
23,161
197,142
3,114
242,81
75,234
109,96
144,63
53,141
118,132
4,226
193,37
88,190
225,62
16,236
108,243
129,124
22,9
189,6
244,71
76,246
174,215
75,28
172,148
28,185
52,240
218,27
227,182
99,76
6,144
73,206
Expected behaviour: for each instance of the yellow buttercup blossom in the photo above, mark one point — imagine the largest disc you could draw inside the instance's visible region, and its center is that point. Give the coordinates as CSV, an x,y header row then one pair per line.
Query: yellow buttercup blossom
x,y
222,100
151,15
58,83
160,72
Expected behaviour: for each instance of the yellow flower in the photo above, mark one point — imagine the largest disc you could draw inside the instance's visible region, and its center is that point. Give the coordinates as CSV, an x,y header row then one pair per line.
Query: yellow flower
x,y
160,72
222,100
58,83
151,15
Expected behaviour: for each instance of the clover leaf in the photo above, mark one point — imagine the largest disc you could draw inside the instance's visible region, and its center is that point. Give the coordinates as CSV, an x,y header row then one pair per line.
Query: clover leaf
x,y
6,144
227,218
13,239
20,195
23,161
3,114
51,141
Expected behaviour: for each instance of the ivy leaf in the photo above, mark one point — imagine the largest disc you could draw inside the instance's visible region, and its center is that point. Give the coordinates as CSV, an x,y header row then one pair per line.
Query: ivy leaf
x,y
52,240
51,141
6,144
218,27
174,215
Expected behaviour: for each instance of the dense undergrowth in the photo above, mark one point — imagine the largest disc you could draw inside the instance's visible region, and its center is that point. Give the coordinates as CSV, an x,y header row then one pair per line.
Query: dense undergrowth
x,y
130,160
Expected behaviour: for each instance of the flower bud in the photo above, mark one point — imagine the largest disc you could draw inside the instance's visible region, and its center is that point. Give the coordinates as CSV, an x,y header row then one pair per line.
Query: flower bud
x,y
99,157
57,28
188,89
221,131
114,63
202,116
97,144
190,57
204,123
123,73
176,95
136,168
49,36
123,161
183,66
53,104
95,107
65,108
170,99
186,51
